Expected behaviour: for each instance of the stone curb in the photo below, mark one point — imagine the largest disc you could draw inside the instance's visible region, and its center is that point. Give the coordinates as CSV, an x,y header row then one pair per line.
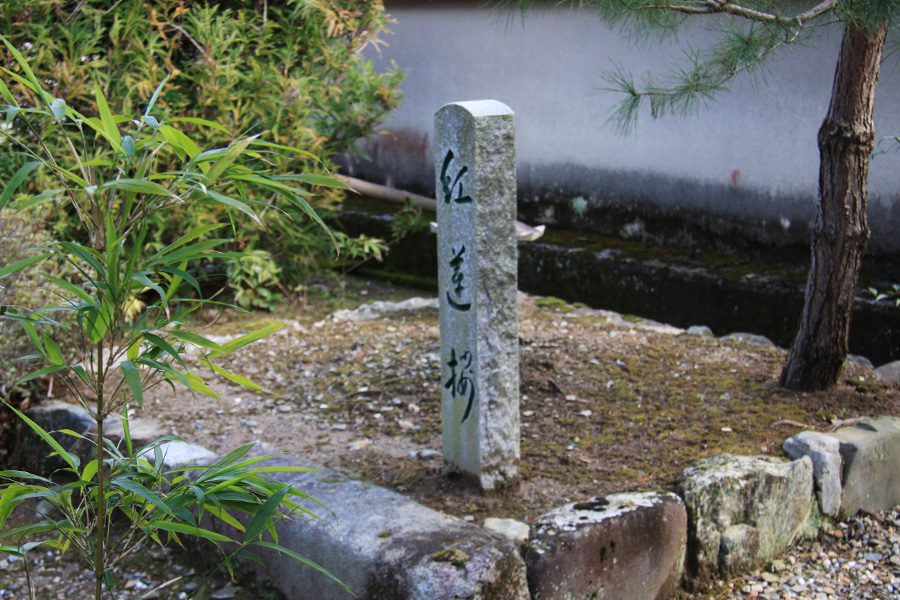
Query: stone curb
x,y
384,545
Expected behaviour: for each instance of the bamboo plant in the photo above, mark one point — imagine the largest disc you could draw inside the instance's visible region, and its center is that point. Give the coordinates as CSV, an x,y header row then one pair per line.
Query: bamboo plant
x,y
112,178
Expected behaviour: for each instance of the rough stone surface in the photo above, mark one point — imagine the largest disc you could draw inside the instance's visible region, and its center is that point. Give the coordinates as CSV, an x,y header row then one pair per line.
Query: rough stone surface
x,y
889,372
871,453
510,530
142,430
54,415
387,547
622,547
477,281
774,497
751,338
739,548
700,330
859,361
181,454
824,451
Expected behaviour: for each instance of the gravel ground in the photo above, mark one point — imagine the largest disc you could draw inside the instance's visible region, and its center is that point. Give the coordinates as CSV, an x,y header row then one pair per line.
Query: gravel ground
x,y
859,559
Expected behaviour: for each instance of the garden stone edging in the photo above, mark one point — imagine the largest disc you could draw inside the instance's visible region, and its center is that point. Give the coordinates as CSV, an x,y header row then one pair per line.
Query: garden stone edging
x,y
399,549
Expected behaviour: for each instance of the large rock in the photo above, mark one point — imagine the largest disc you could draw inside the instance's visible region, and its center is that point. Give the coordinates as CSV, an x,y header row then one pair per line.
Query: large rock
x,y
54,415
871,453
385,546
889,372
824,451
745,510
622,547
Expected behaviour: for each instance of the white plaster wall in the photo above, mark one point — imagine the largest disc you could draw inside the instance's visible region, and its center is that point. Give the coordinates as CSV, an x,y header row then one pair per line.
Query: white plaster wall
x,y
547,69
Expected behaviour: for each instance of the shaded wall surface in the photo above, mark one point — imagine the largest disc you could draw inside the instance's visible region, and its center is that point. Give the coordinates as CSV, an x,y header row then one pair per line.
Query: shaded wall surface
x,y
739,174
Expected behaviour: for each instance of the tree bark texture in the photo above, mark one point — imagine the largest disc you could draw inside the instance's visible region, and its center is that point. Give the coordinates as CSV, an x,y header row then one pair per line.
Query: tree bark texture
x,y
846,141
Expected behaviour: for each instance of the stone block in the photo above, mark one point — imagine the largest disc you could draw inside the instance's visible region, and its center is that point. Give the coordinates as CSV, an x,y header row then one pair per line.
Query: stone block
x,y
870,476
771,496
515,532
622,547
824,451
475,174
385,546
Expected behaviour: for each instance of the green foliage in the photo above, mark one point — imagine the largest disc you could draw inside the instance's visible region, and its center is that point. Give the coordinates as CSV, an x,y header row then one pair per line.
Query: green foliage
x,y
747,34
292,69
21,231
114,173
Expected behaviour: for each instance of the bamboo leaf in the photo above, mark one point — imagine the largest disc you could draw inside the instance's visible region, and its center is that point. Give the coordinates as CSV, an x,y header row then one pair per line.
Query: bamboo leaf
x,y
249,338
203,122
106,117
143,493
133,378
58,108
303,560
141,186
260,521
197,340
89,471
21,264
232,203
234,151
53,351
180,142
188,530
71,287
16,180
233,377
70,459
128,145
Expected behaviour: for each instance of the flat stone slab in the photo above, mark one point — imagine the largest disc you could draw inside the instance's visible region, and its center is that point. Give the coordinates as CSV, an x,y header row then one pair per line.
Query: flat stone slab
x,y
621,547
745,510
871,454
386,546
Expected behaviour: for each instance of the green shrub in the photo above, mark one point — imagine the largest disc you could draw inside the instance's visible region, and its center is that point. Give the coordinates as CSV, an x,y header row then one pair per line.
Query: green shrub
x,y
293,69
113,172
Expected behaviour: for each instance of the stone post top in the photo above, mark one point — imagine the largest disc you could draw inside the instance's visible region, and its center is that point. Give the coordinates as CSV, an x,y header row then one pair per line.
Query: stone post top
x,y
481,108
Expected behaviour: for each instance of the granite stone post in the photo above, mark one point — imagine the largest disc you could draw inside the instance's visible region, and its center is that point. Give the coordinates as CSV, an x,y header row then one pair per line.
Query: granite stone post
x,y
475,166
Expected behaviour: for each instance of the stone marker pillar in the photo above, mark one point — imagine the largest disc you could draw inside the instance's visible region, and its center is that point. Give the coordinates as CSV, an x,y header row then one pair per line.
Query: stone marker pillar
x,y
475,164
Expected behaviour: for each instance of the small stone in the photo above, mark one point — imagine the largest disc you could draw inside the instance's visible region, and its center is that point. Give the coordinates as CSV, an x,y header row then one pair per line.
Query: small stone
x,y
586,413
770,577
284,408
873,557
4,565
360,444
508,529
226,593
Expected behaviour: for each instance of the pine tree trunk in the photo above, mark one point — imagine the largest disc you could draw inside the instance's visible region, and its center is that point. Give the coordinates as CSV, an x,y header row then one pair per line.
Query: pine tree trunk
x,y
846,141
